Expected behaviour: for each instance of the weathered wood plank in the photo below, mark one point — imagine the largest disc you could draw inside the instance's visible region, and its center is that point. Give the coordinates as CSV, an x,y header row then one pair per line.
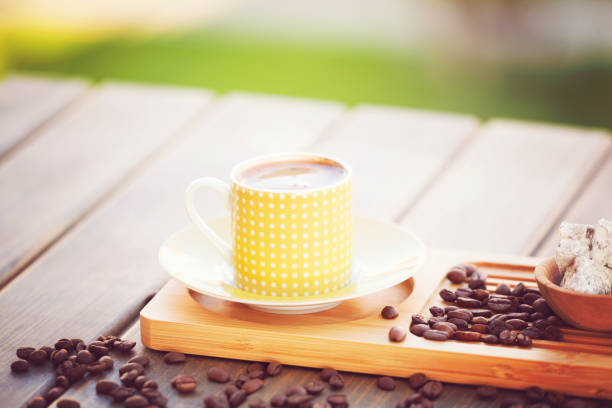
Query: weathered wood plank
x,y
96,277
594,203
508,187
74,162
27,102
395,154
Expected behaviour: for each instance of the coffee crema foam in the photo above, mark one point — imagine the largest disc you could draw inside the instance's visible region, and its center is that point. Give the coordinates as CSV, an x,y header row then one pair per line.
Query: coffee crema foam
x,y
296,174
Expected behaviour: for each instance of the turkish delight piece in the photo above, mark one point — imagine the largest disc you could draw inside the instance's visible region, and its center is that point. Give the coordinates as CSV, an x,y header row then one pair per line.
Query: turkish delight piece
x,y
575,240
586,276
602,243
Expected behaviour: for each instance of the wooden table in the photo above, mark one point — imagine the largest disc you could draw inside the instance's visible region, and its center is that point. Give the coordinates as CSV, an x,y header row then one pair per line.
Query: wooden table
x,y
89,170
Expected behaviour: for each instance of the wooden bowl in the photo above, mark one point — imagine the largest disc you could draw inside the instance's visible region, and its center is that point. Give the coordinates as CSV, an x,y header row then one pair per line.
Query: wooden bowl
x,y
585,311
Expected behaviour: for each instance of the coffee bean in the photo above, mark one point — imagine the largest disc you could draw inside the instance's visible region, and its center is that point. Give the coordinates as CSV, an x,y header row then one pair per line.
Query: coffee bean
x,y
479,320
62,381
502,289
532,332
85,357
448,295
124,346
315,387
389,312
252,385
240,380
499,304
215,401
136,401
327,373
237,398
274,368
296,390
508,337
521,316
517,324
539,316
497,326
469,268
432,389
433,320
142,360
413,398
555,320
386,383
481,312
65,344
298,400
154,396
230,389
553,333
37,357
59,356
278,400
174,358
257,374
480,294
467,302
140,381
121,393
437,335
436,311
418,329
24,352
459,323
417,380
184,383
37,402
98,350
463,335
535,394
106,387
449,308
20,366
490,339
477,283
54,393
150,384
320,404
511,402
418,319
257,403
526,308
337,381
541,306
107,361
486,392
131,366
480,328
337,400
397,334
68,403
460,314
446,327
218,375
555,398
529,298
129,377
464,292
456,274
518,290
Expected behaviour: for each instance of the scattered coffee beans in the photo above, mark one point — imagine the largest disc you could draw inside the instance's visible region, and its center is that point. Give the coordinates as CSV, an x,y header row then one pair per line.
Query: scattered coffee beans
x,y
20,366
184,383
274,368
389,312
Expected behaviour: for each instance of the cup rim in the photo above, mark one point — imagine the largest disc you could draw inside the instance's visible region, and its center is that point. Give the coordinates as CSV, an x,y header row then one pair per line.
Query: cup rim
x,y
263,158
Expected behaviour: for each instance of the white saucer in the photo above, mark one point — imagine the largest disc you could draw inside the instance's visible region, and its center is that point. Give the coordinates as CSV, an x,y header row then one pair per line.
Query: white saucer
x,y
385,256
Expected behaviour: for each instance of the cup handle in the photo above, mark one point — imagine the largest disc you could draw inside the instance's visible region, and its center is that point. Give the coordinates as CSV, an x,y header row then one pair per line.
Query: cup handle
x,y
223,188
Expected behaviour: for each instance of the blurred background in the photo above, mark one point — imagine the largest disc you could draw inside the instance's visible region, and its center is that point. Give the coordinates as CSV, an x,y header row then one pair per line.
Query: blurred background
x,y
548,60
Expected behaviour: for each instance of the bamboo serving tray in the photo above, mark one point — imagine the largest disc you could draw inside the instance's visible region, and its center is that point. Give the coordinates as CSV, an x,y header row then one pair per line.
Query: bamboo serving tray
x,y
353,336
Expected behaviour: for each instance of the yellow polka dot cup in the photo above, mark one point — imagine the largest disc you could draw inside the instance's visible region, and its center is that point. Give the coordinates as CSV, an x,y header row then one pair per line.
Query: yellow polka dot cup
x,y
287,241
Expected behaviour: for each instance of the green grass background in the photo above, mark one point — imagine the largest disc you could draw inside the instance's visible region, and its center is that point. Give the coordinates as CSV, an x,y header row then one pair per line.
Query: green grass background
x,y
577,92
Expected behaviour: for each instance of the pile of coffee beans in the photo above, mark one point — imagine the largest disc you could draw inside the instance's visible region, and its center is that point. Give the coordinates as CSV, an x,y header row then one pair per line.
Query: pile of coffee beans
x,y
137,390
511,316
72,360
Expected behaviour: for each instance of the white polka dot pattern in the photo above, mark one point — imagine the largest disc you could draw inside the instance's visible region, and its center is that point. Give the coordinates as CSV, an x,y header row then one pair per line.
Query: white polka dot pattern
x,y
292,244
